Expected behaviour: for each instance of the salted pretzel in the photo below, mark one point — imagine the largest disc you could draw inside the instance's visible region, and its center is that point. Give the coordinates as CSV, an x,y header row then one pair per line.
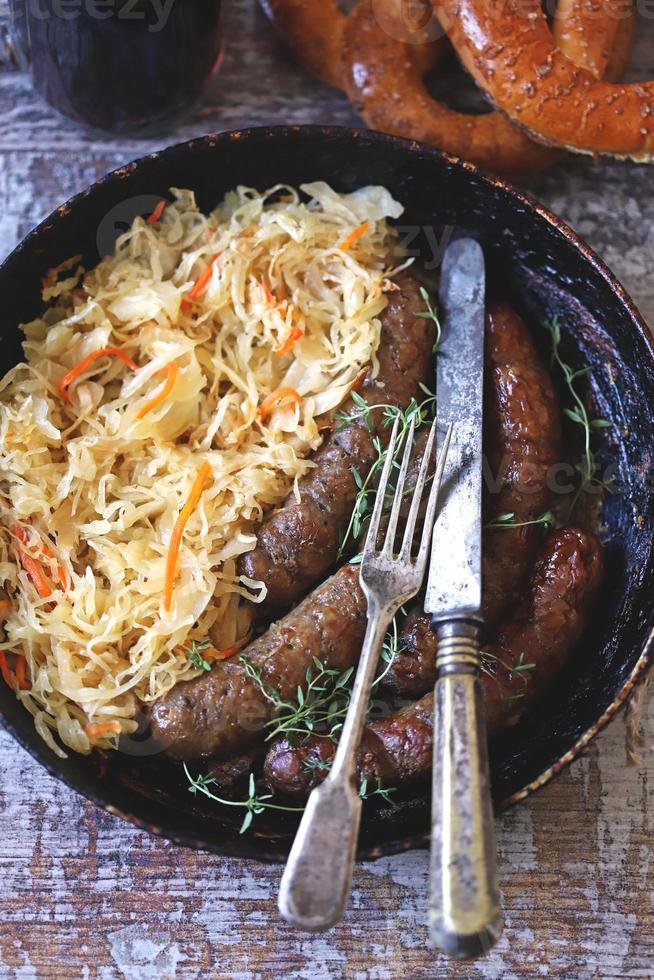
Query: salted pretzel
x,y
383,76
388,90
509,49
595,34
313,30
617,59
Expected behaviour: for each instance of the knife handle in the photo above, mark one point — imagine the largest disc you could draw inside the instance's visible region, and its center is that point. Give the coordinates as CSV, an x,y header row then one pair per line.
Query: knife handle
x,y
465,919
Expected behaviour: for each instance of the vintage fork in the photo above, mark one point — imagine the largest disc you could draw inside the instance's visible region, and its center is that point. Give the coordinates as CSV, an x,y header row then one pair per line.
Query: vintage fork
x,y
316,882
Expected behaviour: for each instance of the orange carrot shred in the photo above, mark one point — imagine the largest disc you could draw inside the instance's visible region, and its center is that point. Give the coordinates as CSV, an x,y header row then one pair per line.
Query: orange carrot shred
x,y
295,333
75,372
271,299
5,603
20,532
172,370
359,379
21,679
4,670
104,728
227,652
201,283
33,568
353,237
278,300
61,572
178,531
35,572
158,211
275,397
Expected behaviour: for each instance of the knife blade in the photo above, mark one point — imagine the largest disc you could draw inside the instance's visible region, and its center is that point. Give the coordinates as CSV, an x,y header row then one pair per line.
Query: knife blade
x,y
465,917
454,583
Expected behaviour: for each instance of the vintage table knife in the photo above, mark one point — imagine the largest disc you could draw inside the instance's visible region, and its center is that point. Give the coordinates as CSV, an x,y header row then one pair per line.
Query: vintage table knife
x,y
464,912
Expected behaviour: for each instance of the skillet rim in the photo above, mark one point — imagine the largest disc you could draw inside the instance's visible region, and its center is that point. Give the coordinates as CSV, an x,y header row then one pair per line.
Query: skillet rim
x,y
253,847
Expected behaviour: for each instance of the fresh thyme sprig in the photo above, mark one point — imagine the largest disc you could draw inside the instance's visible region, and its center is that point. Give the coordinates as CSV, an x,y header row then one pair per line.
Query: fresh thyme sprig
x,y
315,763
417,413
508,520
431,314
194,654
320,708
381,790
587,466
391,648
520,669
254,804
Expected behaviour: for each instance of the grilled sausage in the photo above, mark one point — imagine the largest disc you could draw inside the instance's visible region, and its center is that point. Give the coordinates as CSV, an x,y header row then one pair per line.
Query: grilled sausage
x,y
200,718
545,628
522,439
225,711
297,545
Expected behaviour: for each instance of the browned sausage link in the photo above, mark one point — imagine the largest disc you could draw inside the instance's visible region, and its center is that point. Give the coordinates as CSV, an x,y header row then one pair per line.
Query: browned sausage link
x,y
413,671
298,544
522,443
523,437
224,711
546,626
397,749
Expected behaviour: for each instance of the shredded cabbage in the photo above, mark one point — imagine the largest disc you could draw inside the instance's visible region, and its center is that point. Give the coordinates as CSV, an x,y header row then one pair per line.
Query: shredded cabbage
x,y
96,491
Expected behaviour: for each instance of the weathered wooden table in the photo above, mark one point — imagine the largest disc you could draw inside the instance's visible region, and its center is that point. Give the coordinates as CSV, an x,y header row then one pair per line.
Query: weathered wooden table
x,y
84,895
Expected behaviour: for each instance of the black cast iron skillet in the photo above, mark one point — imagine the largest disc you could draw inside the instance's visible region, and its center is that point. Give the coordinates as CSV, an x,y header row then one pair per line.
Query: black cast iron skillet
x,y
546,270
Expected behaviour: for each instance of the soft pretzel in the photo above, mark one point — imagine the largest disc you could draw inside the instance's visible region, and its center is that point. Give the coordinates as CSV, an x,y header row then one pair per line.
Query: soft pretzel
x,y
595,34
361,53
313,30
620,55
508,48
386,86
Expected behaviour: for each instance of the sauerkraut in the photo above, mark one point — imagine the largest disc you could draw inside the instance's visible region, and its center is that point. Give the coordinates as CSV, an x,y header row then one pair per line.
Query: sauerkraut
x,y
207,317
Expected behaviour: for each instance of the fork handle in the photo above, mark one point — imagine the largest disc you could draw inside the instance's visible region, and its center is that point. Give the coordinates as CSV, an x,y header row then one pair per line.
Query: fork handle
x,y
316,881
464,910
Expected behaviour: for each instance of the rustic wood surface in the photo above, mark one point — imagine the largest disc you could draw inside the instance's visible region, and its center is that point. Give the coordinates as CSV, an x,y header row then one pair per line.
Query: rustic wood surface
x,y
83,894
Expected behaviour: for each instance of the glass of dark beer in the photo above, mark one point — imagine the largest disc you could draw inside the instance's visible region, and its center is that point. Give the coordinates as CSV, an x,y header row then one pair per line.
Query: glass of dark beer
x,y
126,66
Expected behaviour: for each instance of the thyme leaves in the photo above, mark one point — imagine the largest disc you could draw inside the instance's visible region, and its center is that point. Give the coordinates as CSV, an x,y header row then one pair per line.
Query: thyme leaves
x,y
431,314
508,520
194,654
588,466
416,414
520,669
254,804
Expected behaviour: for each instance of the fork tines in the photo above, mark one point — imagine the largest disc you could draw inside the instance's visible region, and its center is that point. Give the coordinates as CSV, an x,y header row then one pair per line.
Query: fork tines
x,y
399,490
